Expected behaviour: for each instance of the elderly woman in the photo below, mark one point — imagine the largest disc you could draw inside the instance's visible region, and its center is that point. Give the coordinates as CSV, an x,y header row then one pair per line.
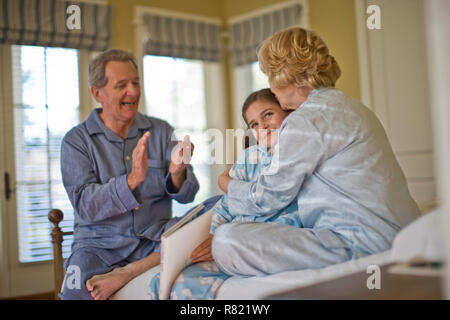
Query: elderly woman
x,y
333,158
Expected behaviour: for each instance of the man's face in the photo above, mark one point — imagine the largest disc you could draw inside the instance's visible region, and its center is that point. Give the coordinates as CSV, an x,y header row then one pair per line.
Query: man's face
x,y
120,96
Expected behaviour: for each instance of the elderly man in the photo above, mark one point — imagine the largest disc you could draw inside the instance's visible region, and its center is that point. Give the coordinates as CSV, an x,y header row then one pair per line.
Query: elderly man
x,y
119,174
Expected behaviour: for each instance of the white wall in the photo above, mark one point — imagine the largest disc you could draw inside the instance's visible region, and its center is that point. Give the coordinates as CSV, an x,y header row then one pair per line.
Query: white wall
x,y
437,14
394,84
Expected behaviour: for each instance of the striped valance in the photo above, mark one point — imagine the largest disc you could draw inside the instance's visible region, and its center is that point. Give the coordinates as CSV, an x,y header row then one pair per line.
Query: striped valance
x,y
247,33
43,23
181,37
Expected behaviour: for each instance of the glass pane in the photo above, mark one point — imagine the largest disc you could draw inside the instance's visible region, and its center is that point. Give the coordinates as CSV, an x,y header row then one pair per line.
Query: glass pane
x,y
175,91
46,104
259,79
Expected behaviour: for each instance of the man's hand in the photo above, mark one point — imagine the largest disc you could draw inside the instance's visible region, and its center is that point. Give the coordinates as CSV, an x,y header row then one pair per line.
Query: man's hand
x,y
203,252
140,163
224,179
180,159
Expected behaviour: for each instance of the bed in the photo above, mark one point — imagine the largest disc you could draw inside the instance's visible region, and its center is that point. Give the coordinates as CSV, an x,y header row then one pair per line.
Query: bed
x,y
418,240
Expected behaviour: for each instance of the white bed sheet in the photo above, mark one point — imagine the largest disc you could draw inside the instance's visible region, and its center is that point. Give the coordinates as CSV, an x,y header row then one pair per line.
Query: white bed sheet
x,y
255,288
421,238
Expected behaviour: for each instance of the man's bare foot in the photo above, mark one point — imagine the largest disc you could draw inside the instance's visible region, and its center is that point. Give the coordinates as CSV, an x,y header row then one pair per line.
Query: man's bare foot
x,y
103,286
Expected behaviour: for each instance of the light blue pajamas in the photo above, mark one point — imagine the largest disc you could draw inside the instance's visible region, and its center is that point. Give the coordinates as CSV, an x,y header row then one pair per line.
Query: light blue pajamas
x,y
202,280
253,162
334,159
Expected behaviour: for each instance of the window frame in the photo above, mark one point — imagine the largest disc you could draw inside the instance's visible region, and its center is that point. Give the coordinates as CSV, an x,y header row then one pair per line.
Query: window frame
x,y
23,278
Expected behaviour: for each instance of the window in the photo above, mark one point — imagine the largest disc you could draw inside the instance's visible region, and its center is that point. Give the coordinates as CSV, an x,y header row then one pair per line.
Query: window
x,y
259,79
247,79
175,91
46,106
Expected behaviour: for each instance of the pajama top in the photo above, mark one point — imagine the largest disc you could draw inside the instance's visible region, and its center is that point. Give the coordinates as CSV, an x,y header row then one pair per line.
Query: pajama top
x,y
334,159
248,168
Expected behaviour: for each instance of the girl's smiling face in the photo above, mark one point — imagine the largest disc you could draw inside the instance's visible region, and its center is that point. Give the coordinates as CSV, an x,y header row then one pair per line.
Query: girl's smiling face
x,y
264,119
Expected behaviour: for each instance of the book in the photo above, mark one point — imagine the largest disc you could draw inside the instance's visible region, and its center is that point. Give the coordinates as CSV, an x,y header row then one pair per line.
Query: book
x,y
177,244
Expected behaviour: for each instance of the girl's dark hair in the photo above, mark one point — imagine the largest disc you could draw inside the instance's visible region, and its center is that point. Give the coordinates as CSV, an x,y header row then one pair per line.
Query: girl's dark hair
x,y
260,95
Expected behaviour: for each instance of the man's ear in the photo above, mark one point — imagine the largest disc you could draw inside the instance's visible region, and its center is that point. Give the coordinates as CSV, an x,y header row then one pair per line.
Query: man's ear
x,y
96,94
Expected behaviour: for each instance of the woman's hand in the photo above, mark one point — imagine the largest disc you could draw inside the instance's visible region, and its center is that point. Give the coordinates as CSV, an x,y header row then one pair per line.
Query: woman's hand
x,y
224,179
203,252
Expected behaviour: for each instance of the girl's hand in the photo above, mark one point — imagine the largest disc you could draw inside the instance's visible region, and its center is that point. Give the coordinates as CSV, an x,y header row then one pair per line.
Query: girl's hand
x,y
224,179
203,252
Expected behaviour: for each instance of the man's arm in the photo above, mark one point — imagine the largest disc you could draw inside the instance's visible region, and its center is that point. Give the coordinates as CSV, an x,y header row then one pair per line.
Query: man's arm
x,y
94,201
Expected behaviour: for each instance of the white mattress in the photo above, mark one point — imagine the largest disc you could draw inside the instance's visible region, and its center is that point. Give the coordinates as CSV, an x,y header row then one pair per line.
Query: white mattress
x,y
419,239
260,287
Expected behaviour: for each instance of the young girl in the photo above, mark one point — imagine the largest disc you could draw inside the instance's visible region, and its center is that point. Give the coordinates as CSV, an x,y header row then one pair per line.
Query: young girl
x,y
263,116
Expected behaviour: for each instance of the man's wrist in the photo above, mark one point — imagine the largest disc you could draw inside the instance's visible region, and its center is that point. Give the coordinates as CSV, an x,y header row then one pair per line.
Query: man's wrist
x,y
180,174
131,181
178,179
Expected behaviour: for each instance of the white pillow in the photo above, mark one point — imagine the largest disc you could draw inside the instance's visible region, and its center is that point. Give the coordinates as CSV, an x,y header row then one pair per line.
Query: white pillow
x,y
420,239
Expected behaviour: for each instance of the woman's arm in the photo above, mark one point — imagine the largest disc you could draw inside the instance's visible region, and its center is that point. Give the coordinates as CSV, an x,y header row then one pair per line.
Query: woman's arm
x,y
299,151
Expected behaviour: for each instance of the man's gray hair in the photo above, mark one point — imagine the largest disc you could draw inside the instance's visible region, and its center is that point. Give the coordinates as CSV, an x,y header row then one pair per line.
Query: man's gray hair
x,y
97,65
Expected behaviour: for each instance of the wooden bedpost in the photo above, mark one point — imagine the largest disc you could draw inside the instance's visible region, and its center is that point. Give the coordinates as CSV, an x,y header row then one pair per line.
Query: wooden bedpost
x,y
56,216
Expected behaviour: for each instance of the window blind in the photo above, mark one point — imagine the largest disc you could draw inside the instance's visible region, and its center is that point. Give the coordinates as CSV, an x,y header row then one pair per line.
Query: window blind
x,y
181,37
43,23
46,106
247,33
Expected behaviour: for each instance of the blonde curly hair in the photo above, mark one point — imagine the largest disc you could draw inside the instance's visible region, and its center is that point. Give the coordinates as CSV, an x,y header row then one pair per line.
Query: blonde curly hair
x,y
300,57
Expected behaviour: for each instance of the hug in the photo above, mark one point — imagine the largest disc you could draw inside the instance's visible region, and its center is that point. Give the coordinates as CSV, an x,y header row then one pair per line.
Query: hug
x,y
320,187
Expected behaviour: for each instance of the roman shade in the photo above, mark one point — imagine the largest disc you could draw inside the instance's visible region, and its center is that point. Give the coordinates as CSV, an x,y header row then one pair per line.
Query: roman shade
x,y
248,32
181,37
43,23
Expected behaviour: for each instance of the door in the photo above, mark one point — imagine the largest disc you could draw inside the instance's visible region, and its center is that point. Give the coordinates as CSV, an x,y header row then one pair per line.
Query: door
x,y
394,83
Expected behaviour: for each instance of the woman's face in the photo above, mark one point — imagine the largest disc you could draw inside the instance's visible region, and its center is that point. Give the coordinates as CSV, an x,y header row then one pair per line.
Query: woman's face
x,y
290,97
264,119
